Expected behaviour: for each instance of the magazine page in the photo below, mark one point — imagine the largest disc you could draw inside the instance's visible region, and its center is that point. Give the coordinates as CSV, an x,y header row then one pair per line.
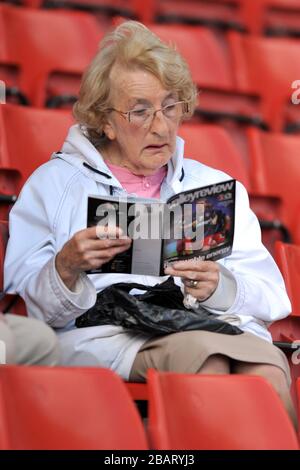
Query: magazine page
x,y
199,223
141,220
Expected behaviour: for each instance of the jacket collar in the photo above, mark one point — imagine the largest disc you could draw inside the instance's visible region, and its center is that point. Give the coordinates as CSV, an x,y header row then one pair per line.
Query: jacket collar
x,y
81,153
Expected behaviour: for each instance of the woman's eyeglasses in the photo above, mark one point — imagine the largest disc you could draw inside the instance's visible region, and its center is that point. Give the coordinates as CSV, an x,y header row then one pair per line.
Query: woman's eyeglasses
x,y
144,116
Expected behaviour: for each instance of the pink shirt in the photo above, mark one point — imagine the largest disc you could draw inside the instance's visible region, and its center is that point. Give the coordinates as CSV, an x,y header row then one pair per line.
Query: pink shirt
x,y
142,186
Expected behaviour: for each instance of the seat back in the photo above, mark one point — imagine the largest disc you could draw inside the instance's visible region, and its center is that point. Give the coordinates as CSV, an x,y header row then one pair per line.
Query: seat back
x,y
212,145
281,17
269,16
275,173
287,330
275,17
230,412
10,64
40,132
214,13
138,391
288,259
210,67
8,303
67,408
108,7
52,49
266,67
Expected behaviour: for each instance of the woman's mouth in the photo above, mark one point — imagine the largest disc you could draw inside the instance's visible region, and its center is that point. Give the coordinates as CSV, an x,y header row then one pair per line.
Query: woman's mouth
x,y
155,147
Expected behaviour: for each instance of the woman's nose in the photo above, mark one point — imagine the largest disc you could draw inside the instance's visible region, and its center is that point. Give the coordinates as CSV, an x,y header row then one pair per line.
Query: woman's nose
x,y
159,123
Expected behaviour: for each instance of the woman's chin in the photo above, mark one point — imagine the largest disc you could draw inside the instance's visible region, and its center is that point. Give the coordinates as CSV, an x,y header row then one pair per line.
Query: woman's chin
x,y
156,157
156,165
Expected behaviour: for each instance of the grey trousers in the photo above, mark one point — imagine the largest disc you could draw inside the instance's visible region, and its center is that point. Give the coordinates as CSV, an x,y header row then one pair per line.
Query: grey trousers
x,y
27,341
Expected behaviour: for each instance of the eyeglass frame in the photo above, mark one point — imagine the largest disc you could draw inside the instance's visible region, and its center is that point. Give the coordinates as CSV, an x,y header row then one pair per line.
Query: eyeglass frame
x,y
126,114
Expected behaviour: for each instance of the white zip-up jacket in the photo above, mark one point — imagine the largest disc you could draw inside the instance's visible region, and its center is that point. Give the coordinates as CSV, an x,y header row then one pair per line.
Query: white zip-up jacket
x,y
52,207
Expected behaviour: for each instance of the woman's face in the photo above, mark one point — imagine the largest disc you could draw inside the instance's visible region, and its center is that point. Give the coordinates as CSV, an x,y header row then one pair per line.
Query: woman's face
x,y
141,146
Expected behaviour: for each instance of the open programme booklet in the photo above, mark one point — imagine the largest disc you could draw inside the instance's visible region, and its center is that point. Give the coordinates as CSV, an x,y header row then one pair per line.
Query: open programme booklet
x,y
197,223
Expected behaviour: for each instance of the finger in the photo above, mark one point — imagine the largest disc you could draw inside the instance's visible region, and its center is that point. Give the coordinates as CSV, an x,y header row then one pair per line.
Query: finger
x,y
195,265
81,247
192,283
95,258
201,294
106,254
114,251
107,243
108,231
199,284
104,232
194,275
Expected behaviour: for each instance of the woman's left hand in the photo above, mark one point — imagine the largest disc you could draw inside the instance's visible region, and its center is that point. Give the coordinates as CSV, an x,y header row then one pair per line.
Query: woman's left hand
x,y
200,278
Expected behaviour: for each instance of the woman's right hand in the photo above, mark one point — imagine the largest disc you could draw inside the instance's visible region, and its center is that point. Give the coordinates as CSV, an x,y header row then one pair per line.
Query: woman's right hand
x,y
89,249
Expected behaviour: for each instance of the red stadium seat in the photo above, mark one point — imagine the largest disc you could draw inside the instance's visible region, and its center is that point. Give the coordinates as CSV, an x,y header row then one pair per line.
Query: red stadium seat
x,y
33,45
10,67
40,133
214,13
273,17
288,259
8,303
229,412
110,7
267,68
205,55
213,146
30,137
212,68
67,408
286,332
32,3
283,18
138,391
9,178
275,175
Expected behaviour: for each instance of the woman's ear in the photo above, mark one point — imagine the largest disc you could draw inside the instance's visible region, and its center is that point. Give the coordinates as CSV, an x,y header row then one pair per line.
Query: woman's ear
x,y
109,131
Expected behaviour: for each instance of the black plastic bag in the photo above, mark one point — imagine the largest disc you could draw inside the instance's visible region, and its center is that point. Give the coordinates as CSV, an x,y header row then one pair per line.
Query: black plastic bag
x,y
158,311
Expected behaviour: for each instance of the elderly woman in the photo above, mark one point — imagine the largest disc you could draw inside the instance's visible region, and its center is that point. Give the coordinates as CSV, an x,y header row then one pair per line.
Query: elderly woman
x,y
133,97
